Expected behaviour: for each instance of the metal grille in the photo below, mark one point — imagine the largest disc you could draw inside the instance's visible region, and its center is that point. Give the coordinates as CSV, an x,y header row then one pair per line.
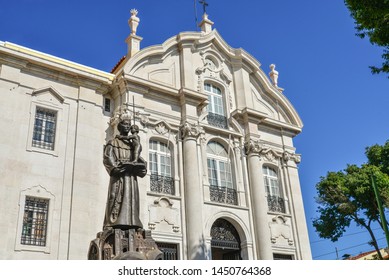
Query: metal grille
x,y
282,257
161,184
44,129
224,235
169,251
35,221
276,203
217,120
223,195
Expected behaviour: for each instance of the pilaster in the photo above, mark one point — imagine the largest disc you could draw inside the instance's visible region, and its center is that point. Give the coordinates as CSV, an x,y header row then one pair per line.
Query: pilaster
x,y
193,194
259,202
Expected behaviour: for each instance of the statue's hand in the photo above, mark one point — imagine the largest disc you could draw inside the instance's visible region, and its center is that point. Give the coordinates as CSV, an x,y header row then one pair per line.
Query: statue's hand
x,y
119,170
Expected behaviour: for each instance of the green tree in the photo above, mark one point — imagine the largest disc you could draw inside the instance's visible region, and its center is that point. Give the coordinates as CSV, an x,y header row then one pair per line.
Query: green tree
x,y
347,197
372,20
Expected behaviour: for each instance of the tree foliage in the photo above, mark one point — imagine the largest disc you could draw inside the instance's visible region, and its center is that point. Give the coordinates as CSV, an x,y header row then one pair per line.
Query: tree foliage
x,y
347,196
372,20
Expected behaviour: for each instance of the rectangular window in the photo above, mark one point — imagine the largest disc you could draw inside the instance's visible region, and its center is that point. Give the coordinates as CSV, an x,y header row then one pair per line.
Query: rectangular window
x,y
107,104
44,129
161,179
34,230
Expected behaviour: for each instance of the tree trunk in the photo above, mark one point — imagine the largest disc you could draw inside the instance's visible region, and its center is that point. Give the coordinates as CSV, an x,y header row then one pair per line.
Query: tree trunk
x,y
374,242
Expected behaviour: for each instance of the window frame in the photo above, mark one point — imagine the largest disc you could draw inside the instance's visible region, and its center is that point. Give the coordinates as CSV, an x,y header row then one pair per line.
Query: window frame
x,y
41,193
107,104
268,179
33,112
34,228
274,194
44,131
216,108
161,158
219,160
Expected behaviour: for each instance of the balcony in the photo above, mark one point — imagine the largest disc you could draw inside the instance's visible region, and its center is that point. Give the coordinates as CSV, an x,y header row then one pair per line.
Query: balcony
x,y
162,184
276,203
217,120
223,195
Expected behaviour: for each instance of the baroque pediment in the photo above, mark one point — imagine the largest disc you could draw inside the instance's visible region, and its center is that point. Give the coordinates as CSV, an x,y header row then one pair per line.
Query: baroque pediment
x,y
190,59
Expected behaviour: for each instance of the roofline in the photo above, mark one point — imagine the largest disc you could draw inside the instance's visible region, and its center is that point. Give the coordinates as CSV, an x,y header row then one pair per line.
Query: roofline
x,y
54,59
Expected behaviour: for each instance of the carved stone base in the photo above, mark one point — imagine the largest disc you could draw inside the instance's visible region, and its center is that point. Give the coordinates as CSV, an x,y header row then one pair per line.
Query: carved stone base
x,y
130,244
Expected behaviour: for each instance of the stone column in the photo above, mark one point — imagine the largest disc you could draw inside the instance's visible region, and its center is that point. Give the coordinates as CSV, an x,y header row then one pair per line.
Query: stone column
x,y
193,193
297,207
259,201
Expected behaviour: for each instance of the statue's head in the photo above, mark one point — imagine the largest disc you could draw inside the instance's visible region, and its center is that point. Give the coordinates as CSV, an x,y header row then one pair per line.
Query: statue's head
x,y
134,128
124,126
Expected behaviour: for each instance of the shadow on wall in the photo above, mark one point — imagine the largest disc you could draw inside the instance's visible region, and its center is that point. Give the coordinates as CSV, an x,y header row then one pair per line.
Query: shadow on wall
x,y
200,250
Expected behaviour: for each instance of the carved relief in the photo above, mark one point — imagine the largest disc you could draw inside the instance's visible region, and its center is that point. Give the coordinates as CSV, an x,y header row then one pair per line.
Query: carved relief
x,y
162,128
212,68
190,130
271,155
163,216
286,156
252,146
280,232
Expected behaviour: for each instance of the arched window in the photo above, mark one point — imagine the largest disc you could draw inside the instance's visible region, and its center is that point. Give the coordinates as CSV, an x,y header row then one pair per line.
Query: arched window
x,y
216,112
219,174
160,167
274,197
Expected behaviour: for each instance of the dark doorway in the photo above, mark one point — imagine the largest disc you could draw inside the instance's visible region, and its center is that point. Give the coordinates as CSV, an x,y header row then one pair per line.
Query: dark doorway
x,y
225,241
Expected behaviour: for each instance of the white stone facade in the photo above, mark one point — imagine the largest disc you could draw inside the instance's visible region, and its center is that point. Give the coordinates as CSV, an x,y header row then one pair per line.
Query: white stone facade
x,y
169,84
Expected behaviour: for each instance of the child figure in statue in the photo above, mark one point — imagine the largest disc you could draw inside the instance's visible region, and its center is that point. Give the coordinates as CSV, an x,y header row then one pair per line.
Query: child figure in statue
x,y
134,139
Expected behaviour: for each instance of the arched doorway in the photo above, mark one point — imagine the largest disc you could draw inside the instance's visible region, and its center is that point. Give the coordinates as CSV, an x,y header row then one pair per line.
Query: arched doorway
x,y
225,242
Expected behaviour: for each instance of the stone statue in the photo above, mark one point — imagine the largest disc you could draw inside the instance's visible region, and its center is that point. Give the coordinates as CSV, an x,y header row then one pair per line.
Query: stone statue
x,y
124,165
123,236
274,74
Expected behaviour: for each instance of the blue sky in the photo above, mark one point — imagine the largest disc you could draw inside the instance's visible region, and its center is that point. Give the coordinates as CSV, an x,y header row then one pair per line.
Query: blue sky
x,y
322,65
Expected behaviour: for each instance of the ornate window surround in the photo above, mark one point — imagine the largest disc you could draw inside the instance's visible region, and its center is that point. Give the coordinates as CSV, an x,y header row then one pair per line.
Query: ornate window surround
x,y
217,107
275,197
47,99
38,192
222,194
162,183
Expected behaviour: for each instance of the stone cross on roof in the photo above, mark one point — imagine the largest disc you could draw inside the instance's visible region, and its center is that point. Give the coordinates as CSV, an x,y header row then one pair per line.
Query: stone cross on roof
x,y
205,4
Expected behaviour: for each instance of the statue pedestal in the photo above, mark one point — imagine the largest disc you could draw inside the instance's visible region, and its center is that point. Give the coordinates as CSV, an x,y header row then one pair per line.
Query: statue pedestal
x,y
129,244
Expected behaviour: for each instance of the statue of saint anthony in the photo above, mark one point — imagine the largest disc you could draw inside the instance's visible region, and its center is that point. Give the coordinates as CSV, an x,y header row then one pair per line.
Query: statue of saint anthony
x,y
124,165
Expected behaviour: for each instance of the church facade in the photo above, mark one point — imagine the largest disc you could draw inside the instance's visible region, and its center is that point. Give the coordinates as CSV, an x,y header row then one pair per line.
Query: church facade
x,y
216,132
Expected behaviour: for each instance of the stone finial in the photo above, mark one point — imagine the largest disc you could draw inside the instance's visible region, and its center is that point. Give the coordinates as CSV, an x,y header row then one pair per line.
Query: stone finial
x,y
273,75
133,41
206,24
133,22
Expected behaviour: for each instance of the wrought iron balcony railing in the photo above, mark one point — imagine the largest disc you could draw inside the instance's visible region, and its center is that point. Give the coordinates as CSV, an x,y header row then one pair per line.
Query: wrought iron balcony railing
x,y
217,120
276,203
223,195
162,184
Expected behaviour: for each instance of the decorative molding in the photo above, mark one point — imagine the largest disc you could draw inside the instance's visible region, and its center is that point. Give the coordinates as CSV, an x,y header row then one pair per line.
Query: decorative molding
x,y
252,146
278,229
163,216
271,155
212,69
50,90
286,156
190,130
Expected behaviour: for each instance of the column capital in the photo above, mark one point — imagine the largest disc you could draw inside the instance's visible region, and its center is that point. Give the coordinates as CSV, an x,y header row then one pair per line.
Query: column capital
x,y
189,130
252,147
